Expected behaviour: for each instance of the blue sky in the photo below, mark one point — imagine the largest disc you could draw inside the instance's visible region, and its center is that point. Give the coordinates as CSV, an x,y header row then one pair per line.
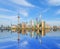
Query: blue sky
x,y
29,10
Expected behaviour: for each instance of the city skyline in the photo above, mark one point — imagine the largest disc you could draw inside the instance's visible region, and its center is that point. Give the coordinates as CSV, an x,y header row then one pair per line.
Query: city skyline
x,y
29,10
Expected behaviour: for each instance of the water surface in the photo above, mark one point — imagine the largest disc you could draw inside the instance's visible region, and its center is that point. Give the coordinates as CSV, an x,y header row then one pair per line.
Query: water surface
x,y
29,40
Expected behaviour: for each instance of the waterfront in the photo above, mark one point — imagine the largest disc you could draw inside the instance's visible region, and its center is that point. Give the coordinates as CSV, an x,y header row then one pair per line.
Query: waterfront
x,y
29,40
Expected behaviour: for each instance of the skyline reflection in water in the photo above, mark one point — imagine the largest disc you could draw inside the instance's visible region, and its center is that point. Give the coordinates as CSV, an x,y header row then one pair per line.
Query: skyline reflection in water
x,y
28,40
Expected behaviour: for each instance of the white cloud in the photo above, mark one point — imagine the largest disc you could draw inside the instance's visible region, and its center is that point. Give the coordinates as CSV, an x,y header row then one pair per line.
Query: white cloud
x,y
54,2
7,20
58,12
23,3
24,13
45,10
5,10
8,17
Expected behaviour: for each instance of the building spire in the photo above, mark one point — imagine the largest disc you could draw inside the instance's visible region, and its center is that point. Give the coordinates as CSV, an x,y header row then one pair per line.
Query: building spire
x,y
18,18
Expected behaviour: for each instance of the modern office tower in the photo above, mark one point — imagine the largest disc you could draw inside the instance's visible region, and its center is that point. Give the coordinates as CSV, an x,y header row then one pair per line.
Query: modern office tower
x,y
43,28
